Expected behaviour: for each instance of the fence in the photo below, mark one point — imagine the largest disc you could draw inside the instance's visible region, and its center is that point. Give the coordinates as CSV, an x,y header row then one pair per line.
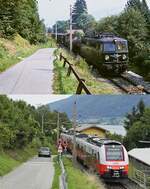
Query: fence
x,y
81,85
63,177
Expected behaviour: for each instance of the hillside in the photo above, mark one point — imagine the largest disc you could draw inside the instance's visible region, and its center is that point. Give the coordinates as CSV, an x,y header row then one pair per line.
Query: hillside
x,y
99,108
14,50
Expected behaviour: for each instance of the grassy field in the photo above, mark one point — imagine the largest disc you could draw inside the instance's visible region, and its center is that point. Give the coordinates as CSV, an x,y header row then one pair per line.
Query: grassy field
x,y
13,51
68,85
79,180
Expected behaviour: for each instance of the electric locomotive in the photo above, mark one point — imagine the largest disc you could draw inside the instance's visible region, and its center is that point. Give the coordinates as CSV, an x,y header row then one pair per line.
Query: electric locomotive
x,y
105,51
106,157
108,53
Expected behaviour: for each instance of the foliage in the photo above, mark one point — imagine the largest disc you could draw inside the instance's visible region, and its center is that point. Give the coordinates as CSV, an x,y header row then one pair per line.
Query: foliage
x,y
13,51
21,16
140,131
62,26
135,115
75,175
21,125
11,159
80,8
68,85
137,126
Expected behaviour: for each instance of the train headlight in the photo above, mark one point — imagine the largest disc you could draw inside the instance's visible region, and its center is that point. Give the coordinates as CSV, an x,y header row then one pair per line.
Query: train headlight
x,y
122,167
124,57
107,57
109,167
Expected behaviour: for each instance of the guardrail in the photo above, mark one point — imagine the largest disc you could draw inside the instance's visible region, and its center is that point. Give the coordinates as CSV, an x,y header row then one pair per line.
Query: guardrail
x,y
81,85
63,177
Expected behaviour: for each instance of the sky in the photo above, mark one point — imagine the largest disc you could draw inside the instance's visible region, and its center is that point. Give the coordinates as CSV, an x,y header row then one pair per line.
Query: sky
x,y
38,100
53,10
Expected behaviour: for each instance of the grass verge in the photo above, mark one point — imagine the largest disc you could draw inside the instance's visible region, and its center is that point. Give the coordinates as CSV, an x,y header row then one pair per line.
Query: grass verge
x,y
78,180
68,85
11,159
13,51
55,184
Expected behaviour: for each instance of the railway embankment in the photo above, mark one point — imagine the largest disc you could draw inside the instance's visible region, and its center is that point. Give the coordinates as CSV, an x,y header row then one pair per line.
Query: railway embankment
x,y
64,84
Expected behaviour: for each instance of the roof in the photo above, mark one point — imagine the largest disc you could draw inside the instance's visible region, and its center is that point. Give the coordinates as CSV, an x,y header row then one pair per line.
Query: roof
x,y
85,127
141,154
108,39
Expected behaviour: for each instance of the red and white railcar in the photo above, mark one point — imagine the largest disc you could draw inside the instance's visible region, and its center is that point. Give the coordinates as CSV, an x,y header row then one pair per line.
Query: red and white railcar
x,y
108,158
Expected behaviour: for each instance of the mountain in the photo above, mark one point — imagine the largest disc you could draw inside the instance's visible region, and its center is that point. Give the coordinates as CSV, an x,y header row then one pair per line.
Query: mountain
x,y
99,108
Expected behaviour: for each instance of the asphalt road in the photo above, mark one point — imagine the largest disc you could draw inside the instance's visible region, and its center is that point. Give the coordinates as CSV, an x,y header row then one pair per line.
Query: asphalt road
x,y
34,75
35,174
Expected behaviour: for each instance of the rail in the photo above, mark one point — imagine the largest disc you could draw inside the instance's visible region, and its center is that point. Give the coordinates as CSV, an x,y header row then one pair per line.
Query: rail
x,y
81,85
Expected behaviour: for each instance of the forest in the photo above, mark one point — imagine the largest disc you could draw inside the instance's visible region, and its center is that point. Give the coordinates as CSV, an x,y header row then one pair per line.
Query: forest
x,y
133,24
22,125
21,17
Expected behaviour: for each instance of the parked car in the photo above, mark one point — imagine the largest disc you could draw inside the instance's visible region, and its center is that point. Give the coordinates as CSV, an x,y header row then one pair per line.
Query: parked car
x,y
44,152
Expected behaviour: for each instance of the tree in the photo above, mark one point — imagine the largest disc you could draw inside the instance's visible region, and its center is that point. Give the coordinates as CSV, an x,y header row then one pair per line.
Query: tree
x,y
62,26
136,4
79,9
85,22
108,24
140,131
132,26
21,16
135,115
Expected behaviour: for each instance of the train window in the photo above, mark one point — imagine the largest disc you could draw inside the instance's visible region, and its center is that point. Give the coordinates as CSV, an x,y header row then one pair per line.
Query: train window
x,y
109,47
122,46
114,152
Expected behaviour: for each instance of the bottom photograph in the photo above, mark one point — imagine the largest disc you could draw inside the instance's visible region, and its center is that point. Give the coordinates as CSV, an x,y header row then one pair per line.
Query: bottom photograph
x,y
74,142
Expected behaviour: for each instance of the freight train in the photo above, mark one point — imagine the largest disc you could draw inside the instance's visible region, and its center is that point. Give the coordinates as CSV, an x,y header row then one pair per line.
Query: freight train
x,y
107,52
106,157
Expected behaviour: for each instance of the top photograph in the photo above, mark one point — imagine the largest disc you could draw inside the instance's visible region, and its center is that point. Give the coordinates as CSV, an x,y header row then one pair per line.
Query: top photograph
x,y
55,47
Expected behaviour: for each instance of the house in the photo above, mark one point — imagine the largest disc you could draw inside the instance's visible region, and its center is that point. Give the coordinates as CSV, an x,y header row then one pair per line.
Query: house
x,y
93,130
139,166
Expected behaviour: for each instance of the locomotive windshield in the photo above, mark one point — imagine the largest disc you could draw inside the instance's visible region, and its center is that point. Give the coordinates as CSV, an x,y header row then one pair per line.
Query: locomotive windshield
x,y
109,47
114,153
116,46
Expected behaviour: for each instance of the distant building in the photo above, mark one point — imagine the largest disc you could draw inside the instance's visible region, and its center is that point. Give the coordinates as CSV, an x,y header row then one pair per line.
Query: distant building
x,y
139,167
93,130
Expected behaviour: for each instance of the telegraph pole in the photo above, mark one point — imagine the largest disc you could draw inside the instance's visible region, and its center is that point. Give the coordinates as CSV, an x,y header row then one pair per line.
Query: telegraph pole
x,y
58,127
70,28
42,123
74,133
56,31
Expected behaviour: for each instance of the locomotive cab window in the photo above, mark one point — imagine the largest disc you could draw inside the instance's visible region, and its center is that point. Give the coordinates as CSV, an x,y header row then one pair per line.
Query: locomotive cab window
x,y
114,153
109,47
122,46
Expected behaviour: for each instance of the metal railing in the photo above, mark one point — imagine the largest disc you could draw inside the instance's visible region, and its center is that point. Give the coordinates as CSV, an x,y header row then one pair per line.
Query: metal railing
x,y
63,176
81,85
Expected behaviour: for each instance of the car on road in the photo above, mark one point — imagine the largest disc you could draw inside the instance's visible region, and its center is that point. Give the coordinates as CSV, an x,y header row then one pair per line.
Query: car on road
x,y
44,152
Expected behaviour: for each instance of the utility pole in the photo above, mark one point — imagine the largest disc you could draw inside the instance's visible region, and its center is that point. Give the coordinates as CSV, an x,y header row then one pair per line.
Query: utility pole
x,y
74,133
42,123
70,28
56,31
58,127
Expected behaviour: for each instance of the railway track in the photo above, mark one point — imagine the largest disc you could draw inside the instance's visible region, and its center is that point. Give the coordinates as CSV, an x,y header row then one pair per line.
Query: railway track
x,y
115,186
127,86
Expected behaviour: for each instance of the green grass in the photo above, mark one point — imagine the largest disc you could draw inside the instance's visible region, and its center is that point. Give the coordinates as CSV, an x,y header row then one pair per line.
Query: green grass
x,y
55,184
79,180
11,159
68,85
12,52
